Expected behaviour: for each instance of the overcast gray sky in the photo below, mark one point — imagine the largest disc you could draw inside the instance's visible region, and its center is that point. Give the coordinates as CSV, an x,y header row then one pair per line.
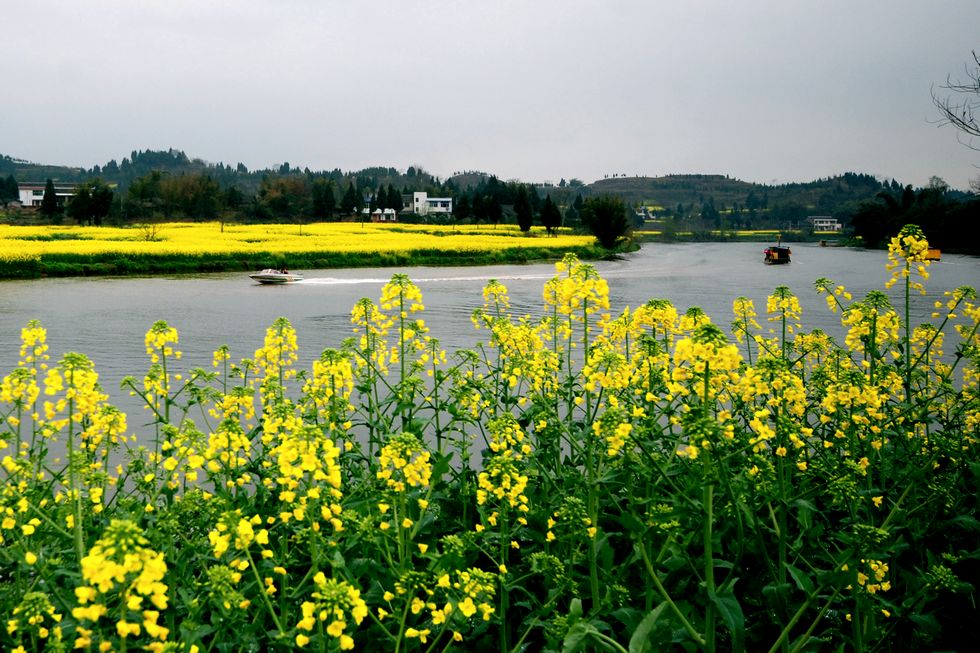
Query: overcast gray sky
x,y
762,90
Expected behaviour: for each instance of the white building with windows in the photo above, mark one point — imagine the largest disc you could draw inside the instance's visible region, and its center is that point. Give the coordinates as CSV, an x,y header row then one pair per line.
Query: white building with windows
x,y
384,215
31,194
422,204
824,223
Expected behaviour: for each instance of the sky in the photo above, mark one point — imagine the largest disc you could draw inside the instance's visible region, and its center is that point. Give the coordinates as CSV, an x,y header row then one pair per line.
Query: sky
x,y
768,91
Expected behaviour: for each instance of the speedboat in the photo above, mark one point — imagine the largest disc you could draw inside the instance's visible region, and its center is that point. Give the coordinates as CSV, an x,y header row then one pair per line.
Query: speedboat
x,y
274,276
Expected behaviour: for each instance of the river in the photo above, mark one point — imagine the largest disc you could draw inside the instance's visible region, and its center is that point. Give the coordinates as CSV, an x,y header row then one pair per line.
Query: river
x,y
107,317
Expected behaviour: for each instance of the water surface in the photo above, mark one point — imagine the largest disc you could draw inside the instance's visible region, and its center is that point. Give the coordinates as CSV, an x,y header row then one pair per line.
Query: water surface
x,y
107,317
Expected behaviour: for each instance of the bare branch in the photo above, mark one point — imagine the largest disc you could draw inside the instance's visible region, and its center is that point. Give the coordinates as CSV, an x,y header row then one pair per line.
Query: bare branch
x,y
959,103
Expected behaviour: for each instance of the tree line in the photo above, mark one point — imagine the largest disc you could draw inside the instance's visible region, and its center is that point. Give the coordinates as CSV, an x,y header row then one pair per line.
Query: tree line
x,y
159,196
949,219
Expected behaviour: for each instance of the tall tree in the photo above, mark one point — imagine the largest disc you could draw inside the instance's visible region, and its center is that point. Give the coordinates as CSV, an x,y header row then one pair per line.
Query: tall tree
x,y
463,209
494,210
324,201
394,199
91,203
287,198
550,215
605,218
522,208
78,206
351,200
9,190
49,202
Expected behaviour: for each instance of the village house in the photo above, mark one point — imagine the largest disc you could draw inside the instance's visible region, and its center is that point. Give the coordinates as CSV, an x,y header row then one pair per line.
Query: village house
x,y
384,215
422,204
824,223
31,193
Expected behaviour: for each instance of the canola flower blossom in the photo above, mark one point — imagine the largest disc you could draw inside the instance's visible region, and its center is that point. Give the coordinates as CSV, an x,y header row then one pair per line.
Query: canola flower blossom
x,y
353,502
335,603
907,258
123,576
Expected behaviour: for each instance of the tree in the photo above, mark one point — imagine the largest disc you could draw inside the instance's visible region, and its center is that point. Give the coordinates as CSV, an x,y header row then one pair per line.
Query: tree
x,y
351,200
144,199
605,218
9,190
550,216
78,207
494,210
49,202
324,201
286,198
394,199
959,106
91,203
522,207
462,209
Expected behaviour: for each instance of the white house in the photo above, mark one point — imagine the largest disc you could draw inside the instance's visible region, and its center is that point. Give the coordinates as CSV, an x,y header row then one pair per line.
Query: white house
x,y
824,223
386,215
31,194
422,204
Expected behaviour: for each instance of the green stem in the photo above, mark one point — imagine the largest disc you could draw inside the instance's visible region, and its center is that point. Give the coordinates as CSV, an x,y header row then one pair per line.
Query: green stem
x,y
709,568
691,631
265,595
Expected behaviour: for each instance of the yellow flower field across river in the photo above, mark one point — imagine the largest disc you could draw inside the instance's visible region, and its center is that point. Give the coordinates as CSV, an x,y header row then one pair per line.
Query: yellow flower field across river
x,y
602,478
18,243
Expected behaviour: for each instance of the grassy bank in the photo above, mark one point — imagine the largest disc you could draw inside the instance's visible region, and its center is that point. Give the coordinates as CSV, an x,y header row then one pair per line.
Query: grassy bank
x,y
28,252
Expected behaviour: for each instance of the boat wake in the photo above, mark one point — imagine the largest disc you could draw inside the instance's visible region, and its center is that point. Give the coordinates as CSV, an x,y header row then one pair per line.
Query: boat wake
x,y
333,281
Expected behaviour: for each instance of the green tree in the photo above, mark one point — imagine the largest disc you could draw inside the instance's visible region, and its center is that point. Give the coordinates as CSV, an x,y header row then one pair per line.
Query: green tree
x,y
287,198
8,189
493,209
550,215
91,204
78,207
351,202
324,201
605,217
50,208
394,199
144,198
463,209
522,207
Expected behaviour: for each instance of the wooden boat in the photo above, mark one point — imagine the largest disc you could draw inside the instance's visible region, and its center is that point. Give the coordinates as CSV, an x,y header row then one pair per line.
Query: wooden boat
x,y
933,254
274,276
776,254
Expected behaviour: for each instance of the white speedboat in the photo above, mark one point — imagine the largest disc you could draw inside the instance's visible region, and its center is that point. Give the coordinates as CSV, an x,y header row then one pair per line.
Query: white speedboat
x,y
274,276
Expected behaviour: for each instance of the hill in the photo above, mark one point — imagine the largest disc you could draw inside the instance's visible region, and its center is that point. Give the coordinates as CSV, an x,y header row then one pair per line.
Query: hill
x,y
829,196
677,195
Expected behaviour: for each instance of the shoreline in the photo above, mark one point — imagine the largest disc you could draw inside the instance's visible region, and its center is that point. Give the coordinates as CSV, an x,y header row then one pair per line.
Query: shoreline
x,y
79,265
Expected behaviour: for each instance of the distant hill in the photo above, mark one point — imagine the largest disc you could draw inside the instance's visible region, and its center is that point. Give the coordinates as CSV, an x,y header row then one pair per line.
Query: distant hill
x,y
672,194
824,196
175,162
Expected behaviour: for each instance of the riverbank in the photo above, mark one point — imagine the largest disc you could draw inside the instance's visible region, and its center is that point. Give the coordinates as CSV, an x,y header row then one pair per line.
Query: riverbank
x,y
173,248
830,238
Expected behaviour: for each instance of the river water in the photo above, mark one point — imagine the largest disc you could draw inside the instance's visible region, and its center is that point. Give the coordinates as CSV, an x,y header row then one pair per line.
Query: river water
x,y
107,317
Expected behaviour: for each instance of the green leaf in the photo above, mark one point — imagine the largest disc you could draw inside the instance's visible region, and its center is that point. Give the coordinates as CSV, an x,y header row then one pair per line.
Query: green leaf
x,y
731,614
802,581
577,636
575,608
640,641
